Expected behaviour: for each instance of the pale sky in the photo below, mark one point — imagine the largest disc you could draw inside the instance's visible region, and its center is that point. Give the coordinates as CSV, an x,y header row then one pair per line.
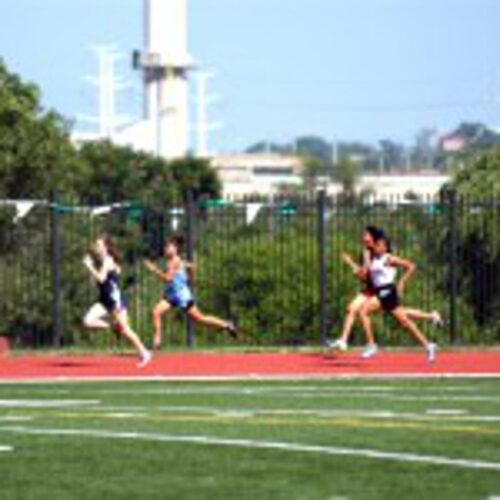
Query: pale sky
x,y
343,69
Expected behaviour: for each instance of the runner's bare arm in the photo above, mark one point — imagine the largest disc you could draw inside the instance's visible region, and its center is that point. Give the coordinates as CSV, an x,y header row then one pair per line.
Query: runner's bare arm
x,y
163,275
409,268
99,275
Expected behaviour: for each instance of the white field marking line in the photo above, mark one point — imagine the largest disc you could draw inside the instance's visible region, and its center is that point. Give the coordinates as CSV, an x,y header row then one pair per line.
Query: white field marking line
x,y
263,445
14,418
299,392
47,403
446,413
440,416
125,415
318,393
242,412
292,377
238,390
4,449
38,390
392,397
138,412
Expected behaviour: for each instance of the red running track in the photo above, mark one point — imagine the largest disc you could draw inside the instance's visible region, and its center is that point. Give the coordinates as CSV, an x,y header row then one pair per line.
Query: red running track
x,y
264,365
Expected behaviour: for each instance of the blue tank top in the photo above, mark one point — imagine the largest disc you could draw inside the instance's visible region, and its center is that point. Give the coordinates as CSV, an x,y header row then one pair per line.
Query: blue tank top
x,y
178,283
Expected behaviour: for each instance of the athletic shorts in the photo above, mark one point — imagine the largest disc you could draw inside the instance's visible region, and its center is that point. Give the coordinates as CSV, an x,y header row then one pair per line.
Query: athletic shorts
x,y
368,289
368,292
113,302
388,297
183,300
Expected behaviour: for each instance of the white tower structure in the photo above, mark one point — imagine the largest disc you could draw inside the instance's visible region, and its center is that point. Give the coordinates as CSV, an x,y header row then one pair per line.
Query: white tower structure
x,y
165,63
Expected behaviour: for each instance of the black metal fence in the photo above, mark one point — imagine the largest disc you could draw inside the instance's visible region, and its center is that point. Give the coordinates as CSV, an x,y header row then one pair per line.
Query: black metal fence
x,y
271,265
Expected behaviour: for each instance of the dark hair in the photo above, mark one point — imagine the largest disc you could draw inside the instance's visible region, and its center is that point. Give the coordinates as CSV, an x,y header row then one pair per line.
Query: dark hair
x,y
177,240
378,234
111,248
375,232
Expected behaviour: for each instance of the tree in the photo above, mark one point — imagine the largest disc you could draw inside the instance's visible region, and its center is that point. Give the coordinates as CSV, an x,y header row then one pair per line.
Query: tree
x,y
197,175
314,147
313,171
477,185
392,154
35,151
264,147
425,147
347,174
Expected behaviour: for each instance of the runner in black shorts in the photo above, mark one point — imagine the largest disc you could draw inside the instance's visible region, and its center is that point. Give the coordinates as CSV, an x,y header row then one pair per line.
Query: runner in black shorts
x,y
383,271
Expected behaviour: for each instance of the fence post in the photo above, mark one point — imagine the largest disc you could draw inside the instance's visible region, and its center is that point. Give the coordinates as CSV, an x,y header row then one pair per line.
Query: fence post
x,y
453,260
55,243
190,227
322,264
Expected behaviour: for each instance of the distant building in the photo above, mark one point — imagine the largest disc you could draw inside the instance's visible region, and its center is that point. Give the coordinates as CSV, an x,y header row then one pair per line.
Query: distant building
x,y
419,185
264,174
453,143
469,135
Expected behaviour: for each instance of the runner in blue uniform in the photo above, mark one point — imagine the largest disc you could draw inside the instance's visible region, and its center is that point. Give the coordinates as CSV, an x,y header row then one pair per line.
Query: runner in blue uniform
x,y
111,302
177,293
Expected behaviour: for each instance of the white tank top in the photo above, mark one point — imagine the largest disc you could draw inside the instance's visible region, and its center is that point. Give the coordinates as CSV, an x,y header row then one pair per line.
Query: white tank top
x,y
381,273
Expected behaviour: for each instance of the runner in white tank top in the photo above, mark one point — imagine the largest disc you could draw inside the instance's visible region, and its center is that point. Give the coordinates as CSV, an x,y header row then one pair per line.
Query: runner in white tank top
x,y
383,272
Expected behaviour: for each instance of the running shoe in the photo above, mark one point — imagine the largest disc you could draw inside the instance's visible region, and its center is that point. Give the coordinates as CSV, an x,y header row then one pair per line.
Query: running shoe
x,y
144,359
369,351
431,352
338,344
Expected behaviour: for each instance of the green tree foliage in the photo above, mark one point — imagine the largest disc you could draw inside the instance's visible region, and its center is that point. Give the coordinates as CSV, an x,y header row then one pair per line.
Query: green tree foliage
x,y
196,175
35,153
347,174
117,173
313,171
392,154
477,184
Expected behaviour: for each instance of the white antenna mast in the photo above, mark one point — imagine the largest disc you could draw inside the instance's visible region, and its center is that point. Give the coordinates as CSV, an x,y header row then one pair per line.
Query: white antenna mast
x,y
204,127
107,84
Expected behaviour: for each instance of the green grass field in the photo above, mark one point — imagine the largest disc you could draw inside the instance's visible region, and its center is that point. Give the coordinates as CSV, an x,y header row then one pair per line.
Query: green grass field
x,y
257,440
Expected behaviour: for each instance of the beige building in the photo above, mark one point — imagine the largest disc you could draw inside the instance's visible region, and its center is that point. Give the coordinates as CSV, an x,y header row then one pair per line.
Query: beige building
x,y
266,174
263,174
420,185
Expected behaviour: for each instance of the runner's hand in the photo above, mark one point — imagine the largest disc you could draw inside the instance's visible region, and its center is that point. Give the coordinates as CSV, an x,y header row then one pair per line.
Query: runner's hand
x,y
88,261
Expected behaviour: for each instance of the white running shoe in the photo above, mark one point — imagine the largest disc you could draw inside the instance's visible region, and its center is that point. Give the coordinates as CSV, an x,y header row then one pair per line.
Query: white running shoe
x,y
339,344
431,352
144,359
369,351
437,319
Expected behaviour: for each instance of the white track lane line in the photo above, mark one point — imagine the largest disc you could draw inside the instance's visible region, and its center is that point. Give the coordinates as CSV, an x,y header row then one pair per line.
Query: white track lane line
x,y
47,403
262,445
429,415
4,449
255,377
15,418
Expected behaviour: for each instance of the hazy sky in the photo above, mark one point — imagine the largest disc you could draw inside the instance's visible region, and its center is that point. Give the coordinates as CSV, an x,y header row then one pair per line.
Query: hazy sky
x,y
344,69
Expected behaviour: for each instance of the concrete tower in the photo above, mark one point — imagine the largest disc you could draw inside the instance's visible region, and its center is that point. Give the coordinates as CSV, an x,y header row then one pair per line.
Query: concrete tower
x,y
165,63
